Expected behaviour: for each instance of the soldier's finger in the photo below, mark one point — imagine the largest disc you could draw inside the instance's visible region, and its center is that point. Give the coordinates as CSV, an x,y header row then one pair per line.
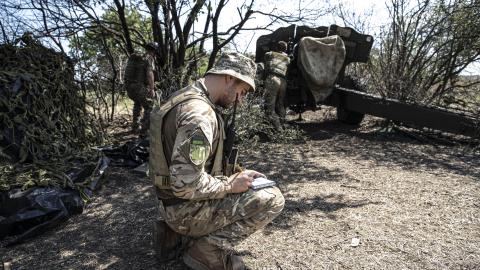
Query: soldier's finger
x,y
260,175
245,183
256,174
247,174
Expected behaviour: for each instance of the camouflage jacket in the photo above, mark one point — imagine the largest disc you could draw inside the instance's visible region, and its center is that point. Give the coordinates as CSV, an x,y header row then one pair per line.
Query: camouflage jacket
x,y
191,134
137,68
276,63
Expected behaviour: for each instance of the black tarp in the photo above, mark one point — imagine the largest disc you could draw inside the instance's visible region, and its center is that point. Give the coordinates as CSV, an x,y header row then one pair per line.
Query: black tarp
x,y
130,154
27,213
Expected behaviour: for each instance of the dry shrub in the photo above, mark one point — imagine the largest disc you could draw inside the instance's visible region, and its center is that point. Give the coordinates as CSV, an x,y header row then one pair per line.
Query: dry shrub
x,y
253,126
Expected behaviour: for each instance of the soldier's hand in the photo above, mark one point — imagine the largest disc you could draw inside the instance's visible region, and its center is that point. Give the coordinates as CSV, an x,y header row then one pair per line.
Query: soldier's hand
x,y
242,181
254,174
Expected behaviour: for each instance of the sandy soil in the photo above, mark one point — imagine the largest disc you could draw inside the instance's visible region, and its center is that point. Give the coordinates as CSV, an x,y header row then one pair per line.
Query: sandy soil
x,y
412,205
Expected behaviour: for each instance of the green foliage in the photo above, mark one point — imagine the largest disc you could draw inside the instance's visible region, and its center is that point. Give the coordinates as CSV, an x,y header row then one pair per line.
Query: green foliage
x,y
96,39
101,58
203,66
97,49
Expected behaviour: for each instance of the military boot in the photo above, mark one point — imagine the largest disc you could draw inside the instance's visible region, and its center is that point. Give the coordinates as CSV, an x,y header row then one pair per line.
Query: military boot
x,y
137,110
205,256
166,242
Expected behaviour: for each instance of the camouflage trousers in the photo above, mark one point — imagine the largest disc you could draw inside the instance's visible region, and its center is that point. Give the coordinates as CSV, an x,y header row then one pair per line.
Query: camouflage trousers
x,y
139,94
225,222
275,90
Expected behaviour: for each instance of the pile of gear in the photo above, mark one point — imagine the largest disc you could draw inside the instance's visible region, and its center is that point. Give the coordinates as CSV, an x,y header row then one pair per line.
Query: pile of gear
x,y
46,168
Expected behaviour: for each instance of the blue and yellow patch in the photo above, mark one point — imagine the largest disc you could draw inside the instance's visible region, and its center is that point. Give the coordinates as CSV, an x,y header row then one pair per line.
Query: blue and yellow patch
x,y
199,148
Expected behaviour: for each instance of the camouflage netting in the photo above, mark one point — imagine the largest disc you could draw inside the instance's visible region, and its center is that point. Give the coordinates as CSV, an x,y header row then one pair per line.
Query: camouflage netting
x,y
44,125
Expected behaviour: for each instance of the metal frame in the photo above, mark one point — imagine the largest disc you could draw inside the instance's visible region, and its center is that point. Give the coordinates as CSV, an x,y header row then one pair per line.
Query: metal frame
x,y
409,114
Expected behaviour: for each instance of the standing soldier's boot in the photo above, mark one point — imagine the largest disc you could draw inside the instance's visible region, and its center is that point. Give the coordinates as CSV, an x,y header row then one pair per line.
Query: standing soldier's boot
x,y
166,242
145,122
205,256
137,110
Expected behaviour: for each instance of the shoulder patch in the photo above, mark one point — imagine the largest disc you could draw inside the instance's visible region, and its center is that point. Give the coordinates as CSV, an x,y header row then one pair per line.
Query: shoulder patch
x,y
199,147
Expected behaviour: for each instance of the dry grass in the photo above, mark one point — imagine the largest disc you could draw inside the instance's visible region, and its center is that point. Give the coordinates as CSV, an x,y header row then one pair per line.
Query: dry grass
x,y
412,205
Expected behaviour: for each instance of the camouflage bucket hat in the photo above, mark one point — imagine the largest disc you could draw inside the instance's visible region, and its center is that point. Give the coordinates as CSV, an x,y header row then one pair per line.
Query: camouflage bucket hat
x,y
236,65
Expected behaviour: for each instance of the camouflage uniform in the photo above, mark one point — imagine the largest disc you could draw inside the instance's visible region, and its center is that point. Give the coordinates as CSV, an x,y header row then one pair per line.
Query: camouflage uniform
x,y
190,141
210,212
137,90
275,86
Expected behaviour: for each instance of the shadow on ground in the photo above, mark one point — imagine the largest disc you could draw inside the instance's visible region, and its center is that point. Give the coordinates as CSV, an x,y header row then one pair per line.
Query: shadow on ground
x,y
114,232
327,205
394,148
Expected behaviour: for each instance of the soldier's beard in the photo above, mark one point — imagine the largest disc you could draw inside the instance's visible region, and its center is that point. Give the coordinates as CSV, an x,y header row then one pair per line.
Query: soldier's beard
x,y
228,98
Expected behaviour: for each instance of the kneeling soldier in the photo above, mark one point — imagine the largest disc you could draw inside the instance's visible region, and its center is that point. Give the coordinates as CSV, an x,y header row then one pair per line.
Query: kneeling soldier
x,y
187,164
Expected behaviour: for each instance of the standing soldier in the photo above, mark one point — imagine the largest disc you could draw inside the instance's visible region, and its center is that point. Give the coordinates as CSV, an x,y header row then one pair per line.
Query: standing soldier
x,y
276,64
197,198
140,85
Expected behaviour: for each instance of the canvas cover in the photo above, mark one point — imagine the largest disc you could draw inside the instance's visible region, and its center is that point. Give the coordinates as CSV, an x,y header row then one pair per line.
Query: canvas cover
x,y
320,61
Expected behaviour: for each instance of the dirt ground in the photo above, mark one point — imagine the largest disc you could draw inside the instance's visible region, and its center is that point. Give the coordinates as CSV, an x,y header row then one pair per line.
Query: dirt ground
x,y
411,204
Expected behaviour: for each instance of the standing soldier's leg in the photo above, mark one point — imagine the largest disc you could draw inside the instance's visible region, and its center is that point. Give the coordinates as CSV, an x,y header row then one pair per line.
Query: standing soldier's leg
x,y
137,110
270,98
280,104
147,105
132,91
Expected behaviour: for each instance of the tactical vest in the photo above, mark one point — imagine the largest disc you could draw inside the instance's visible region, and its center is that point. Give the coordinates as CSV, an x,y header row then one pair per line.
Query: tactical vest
x,y
276,63
136,69
158,166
